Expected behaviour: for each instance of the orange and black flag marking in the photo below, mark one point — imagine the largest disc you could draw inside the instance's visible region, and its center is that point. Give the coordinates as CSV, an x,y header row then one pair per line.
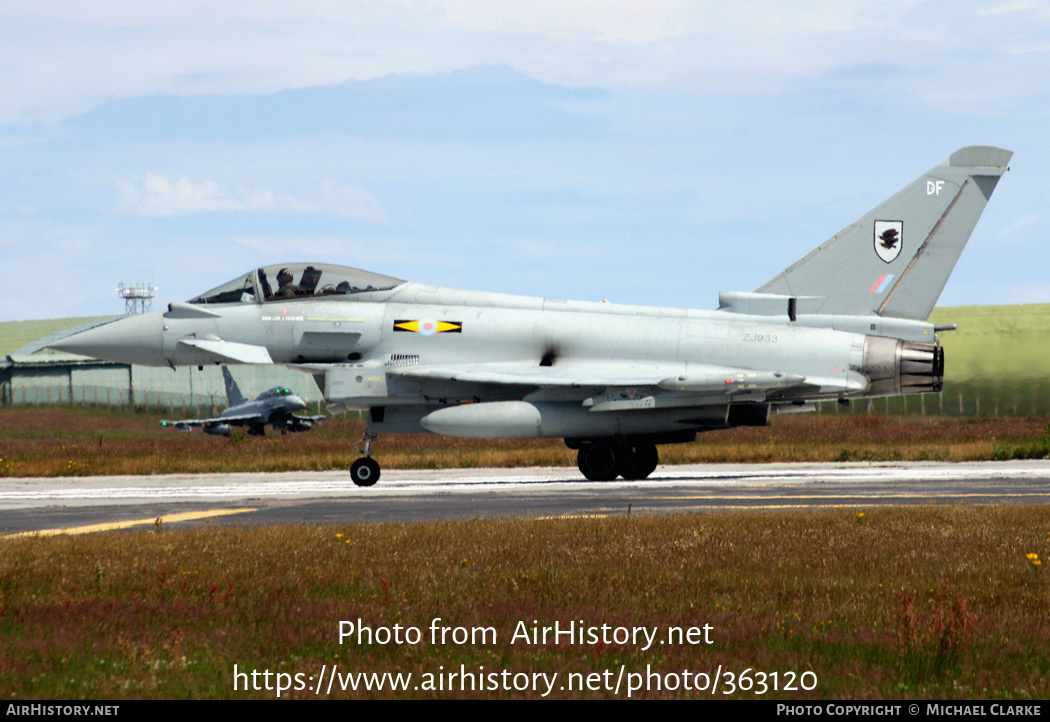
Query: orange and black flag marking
x,y
428,326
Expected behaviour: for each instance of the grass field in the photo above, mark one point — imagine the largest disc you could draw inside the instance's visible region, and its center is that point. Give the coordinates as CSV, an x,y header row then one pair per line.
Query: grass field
x,y
936,603
888,603
62,441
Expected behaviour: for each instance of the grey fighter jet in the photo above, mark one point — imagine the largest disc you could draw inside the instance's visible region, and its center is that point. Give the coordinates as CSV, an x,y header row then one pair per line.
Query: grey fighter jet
x,y
847,321
276,406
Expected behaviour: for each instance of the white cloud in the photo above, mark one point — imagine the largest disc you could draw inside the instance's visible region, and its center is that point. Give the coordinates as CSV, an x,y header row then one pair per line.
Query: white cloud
x,y
159,197
610,21
62,57
535,249
1026,48
62,270
356,252
1022,222
1011,7
543,250
23,238
1028,293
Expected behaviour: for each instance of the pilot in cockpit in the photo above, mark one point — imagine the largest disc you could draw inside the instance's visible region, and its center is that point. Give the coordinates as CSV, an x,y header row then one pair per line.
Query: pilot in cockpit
x,y
308,283
284,282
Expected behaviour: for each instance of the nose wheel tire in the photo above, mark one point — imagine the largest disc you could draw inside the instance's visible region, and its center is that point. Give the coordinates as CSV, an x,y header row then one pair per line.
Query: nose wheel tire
x,y
364,471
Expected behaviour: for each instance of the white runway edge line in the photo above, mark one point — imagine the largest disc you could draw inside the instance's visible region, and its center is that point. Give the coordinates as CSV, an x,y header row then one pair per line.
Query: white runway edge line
x,y
21,492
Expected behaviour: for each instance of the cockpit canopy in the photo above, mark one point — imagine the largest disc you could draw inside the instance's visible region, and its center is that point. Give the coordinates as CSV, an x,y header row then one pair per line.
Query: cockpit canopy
x,y
290,281
275,392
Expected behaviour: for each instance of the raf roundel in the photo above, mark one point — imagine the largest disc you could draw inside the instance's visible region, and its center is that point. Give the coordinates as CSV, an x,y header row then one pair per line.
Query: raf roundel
x,y
428,326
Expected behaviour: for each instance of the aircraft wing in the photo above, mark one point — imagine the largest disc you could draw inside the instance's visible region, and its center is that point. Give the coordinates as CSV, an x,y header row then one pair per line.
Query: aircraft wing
x,y
319,417
690,381
538,376
235,420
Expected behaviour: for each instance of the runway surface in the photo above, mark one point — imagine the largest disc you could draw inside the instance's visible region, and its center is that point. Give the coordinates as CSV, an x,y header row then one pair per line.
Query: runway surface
x,y
84,504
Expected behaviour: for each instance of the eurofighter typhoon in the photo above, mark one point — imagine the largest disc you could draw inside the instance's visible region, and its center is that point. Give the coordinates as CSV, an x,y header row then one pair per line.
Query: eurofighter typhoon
x,y
275,406
614,381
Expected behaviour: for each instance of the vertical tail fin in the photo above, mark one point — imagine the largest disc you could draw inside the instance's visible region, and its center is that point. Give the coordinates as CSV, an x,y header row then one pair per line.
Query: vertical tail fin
x,y
233,394
895,260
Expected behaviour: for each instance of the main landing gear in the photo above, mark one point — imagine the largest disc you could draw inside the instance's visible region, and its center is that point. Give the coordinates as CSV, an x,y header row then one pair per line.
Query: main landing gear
x,y
365,471
598,460
605,460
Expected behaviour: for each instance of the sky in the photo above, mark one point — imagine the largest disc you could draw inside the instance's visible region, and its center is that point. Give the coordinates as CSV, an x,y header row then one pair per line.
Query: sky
x,y
648,153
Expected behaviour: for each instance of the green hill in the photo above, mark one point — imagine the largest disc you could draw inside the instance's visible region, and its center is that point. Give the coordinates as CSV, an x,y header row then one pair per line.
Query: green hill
x,y
996,344
16,334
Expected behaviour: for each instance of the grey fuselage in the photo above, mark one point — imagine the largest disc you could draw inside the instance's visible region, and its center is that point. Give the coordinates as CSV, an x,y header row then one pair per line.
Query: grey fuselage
x,y
267,410
584,369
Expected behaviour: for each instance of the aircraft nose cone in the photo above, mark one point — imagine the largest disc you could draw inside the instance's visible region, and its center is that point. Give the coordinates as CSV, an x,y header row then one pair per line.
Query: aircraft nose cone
x,y
132,340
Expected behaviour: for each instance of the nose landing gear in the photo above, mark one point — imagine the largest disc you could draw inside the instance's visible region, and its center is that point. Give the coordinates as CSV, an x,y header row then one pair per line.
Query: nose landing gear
x,y
365,471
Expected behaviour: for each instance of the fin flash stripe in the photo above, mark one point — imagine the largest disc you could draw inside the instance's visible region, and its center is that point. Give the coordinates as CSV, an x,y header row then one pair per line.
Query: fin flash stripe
x,y
428,326
880,283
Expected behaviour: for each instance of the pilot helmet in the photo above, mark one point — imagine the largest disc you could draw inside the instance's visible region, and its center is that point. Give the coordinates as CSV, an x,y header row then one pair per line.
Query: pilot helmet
x,y
284,276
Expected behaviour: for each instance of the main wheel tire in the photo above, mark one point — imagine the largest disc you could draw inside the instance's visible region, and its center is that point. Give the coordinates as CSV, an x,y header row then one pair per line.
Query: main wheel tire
x,y
598,461
364,471
638,461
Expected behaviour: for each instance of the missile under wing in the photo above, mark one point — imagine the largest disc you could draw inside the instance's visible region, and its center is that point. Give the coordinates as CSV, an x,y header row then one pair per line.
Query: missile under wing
x,y
614,381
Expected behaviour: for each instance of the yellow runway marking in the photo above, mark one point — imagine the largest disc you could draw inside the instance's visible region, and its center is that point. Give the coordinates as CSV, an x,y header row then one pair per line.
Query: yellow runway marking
x,y
169,519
